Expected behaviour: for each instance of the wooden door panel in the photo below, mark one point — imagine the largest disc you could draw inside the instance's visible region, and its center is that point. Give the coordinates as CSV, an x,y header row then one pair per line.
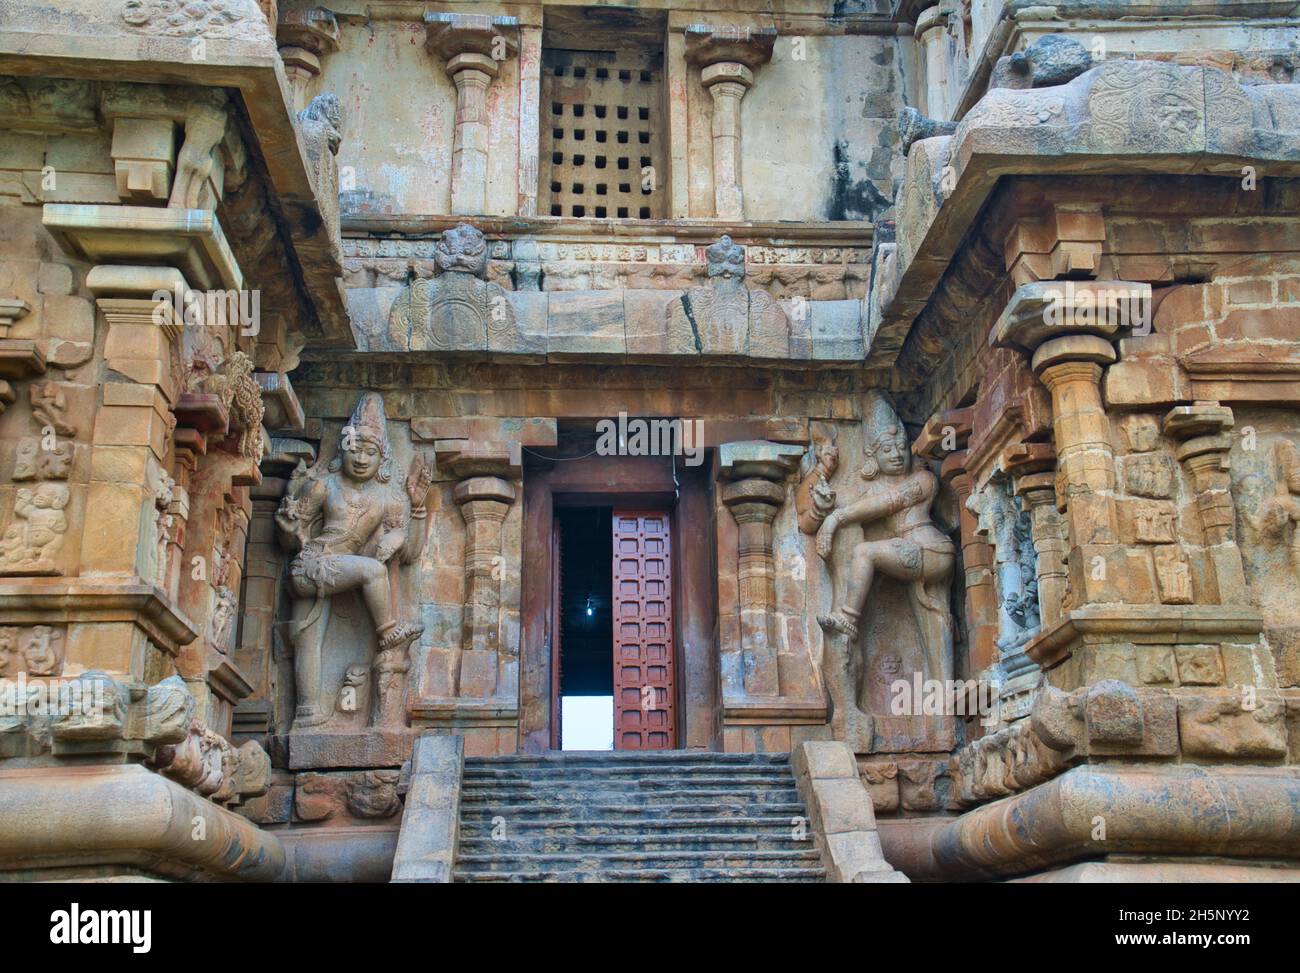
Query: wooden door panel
x,y
644,691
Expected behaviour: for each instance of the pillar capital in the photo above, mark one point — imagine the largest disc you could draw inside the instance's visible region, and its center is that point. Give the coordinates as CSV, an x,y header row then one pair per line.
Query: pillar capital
x,y
452,35
745,47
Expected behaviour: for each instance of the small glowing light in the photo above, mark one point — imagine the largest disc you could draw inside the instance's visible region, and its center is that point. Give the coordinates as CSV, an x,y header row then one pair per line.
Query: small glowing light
x,y
590,611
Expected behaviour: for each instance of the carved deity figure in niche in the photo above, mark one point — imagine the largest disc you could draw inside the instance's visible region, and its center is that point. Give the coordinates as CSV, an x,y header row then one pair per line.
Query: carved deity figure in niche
x,y
457,310
42,652
33,541
724,317
910,548
350,524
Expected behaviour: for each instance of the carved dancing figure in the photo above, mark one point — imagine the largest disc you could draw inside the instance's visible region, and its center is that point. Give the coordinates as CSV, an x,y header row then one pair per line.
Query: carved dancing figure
x,y
348,524
916,551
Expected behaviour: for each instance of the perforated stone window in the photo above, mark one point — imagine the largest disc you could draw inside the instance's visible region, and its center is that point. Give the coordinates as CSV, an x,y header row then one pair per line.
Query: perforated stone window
x,y
602,135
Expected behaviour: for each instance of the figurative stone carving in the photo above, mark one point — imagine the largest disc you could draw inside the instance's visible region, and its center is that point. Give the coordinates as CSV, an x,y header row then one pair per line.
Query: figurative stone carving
x,y
725,317
814,498
49,408
43,651
913,126
1279,513
1048,61
915,551
32,542
457,310
322,130
349,524
35,462
8,647
239,392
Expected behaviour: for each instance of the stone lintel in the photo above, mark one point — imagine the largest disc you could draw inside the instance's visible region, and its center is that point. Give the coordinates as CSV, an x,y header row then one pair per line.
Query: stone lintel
x,y
944,433
283,409
313,29
1048,309
451,34
20,358
1200,419
373,747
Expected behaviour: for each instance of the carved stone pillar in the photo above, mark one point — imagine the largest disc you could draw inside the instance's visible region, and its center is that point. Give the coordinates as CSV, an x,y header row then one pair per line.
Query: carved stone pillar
x,y
1038,491
471,47
484,493
1069,351
130,444
756,491
727,58
753,503
304,37
932,37
1204,444
484,502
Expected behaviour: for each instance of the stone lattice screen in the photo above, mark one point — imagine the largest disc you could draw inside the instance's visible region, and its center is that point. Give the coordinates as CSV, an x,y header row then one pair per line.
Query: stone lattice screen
x,y
602,131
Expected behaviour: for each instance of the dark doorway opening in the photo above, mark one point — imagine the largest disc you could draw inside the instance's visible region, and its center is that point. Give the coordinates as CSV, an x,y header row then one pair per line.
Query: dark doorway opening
x,y
584,660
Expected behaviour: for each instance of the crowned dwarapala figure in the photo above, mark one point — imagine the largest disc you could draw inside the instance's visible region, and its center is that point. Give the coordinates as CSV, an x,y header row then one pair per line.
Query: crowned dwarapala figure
x,y
348,523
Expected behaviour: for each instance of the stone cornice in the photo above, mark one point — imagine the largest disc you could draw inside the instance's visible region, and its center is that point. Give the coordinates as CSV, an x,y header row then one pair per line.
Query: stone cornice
x,y
1064,130
94,41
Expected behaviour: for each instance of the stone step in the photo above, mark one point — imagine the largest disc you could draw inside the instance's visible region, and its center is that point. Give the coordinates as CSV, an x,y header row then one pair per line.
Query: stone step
x,y
628,786
496,797
574,758
775,825
597,860
730,875
686,773
603,843
682,811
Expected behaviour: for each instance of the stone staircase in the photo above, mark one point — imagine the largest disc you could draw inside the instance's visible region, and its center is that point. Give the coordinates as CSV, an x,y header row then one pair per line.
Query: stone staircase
x,y
663,816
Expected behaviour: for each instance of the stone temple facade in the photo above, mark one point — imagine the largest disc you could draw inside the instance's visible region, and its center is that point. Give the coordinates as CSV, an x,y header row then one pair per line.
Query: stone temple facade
x,y
890,409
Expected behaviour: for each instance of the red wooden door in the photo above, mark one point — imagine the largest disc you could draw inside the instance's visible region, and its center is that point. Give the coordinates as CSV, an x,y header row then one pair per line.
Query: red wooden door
x,y
644,691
